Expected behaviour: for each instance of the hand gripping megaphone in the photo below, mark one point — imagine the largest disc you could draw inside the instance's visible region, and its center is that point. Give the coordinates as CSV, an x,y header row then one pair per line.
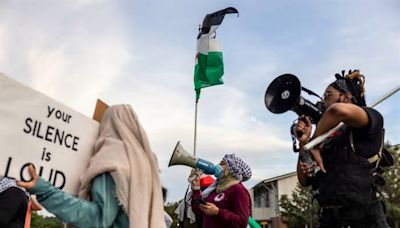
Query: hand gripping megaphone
x,y
181,157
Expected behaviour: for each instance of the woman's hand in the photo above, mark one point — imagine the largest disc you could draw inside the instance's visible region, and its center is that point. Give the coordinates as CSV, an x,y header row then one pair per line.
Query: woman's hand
x,y
30,184
317,156
306,169
36,206
209,208
303,129
194,179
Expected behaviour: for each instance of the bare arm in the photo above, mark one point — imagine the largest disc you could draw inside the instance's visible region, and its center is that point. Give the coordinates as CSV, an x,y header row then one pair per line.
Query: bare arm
x,y
350,114
301,176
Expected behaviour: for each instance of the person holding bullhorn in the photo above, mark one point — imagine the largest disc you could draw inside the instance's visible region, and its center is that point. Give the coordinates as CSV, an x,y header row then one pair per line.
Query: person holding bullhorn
x,y
225,203
344,185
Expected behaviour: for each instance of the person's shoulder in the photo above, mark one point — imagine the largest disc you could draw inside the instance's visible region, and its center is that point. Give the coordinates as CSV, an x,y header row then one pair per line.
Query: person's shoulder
x,y
371,111
374,126
240,192
239,187
104,178
373,115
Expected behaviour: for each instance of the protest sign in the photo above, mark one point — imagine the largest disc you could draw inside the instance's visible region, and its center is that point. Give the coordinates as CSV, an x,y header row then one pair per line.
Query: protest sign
x,y
36,129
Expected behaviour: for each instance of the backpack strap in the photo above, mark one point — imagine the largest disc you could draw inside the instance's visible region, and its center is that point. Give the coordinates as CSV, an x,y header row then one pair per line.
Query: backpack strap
x,y
375,158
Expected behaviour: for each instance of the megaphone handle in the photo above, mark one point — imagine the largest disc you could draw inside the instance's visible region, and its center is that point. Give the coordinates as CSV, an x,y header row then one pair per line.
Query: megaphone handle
x,y
308,158
322,137
195,174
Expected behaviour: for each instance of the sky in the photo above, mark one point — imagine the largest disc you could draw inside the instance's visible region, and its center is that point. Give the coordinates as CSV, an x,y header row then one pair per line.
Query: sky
x,y
142,53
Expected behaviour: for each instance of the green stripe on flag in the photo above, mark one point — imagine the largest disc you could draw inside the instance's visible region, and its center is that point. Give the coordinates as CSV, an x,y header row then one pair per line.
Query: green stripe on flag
x,y
209,67
208,71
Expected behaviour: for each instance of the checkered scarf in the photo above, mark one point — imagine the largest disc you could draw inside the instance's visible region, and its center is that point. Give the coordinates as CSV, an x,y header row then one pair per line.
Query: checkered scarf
x,y
237,167
6,183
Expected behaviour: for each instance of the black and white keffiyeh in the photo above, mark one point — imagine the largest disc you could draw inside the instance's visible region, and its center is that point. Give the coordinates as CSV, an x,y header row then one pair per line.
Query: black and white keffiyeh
x,y
237,167
6,183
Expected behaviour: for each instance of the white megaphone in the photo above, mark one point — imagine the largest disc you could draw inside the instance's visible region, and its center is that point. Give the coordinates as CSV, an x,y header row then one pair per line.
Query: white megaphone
x,y
181,157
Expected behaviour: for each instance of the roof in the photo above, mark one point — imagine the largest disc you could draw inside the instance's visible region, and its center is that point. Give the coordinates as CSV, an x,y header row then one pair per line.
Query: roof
x,y
275,178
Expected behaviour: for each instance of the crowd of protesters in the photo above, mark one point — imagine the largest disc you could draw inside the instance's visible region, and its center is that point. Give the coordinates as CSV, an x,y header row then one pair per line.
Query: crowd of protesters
x,y
121,186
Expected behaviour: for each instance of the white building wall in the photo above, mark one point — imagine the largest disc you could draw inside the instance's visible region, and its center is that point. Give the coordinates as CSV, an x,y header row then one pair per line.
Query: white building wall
x,y
263,213
284,186
287,185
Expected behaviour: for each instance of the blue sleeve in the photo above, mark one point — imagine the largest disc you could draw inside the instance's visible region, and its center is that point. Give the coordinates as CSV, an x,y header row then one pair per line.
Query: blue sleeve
x,y
100,212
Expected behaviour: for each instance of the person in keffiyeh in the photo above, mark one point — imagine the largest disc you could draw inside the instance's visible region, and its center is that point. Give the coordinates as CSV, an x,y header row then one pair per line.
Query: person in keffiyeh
x,y
225,203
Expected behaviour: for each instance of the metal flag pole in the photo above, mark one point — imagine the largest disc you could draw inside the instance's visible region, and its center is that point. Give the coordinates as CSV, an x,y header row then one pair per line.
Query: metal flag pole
x,y
195,129
384,97
322,137
310,204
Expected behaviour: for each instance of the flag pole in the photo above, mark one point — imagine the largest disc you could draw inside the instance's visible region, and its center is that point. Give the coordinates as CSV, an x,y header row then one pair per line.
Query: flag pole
x,y
195,129
209,63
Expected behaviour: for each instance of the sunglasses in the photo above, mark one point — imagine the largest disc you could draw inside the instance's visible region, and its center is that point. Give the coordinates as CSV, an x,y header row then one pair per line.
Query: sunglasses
x,y
326,95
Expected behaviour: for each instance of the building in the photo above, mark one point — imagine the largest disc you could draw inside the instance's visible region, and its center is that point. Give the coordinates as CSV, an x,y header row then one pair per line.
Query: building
x,y
265,199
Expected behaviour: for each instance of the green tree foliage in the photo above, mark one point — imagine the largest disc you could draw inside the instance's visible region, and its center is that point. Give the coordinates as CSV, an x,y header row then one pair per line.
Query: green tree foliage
x,y
391,190
38,221
170,209
295,210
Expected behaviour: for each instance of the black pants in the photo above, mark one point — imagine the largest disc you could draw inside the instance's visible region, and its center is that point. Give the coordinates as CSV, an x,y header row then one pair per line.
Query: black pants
x,y
13,206
361,216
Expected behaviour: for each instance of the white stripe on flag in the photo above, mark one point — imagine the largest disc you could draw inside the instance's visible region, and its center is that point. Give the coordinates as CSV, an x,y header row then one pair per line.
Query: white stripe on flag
x,y
207,44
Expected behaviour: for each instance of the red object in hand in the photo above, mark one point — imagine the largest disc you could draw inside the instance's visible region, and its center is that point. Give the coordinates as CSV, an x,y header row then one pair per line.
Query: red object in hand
x,y
206,181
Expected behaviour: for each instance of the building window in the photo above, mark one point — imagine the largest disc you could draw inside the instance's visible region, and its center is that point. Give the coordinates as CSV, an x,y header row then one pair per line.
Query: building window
x,y
261,197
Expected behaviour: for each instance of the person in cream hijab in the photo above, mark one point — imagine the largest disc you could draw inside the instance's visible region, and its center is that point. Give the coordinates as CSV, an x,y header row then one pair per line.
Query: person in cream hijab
x,y
120,188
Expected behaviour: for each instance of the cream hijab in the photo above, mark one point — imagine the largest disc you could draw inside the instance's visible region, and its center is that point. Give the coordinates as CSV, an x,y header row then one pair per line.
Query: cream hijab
x,y
123,150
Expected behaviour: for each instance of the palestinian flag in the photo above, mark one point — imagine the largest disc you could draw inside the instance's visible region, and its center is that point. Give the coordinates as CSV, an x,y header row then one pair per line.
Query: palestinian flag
x,y
209,67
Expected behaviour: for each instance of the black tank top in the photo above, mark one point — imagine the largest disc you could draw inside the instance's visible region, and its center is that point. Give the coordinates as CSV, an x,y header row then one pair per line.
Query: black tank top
x,y
348,179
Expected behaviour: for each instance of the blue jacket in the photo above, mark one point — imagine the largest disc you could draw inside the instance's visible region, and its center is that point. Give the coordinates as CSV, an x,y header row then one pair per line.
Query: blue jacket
x,y
102,211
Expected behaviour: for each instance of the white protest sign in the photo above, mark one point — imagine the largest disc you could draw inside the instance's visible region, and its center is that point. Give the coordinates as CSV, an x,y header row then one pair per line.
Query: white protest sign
x,y
36,129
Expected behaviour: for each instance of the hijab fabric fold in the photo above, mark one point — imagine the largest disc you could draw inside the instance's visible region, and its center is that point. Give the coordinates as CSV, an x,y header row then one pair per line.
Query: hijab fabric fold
x,y
123,150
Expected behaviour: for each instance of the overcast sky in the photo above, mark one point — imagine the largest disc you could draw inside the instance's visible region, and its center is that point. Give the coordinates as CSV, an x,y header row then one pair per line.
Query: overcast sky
x,y
142,53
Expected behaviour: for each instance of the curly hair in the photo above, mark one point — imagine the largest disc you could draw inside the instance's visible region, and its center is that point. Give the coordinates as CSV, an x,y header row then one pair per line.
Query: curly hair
x,y
352,82
358,80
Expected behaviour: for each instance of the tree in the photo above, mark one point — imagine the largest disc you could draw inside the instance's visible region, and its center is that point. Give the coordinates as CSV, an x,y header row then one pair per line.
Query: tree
x,y
391,190
38,221
170,209
295,210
